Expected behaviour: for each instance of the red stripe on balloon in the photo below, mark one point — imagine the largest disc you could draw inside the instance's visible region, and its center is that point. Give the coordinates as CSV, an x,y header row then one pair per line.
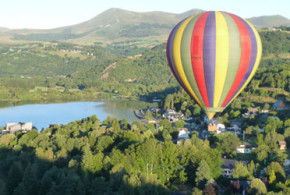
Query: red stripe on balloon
x,y
197,56
245,57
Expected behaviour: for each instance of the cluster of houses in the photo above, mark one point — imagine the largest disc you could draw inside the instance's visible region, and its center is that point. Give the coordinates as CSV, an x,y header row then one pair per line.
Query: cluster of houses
x,y
172,115
278,106
17,127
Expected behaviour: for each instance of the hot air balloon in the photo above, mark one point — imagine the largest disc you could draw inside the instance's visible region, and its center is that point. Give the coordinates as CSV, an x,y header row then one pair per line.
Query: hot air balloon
x,y
213,55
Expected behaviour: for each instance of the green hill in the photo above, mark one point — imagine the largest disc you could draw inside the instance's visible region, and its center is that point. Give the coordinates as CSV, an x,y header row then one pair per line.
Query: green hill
x,y
117,25
269,21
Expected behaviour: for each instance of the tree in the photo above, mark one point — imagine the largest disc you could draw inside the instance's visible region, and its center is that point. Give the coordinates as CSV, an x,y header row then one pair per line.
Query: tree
x,y
203,174
249,130
262,152
168,161
103,143
29,180
260,139
272,177
251,168
179,124
266,106
12,181
240,171
229,144
271,140
257,187
91,163
115,125
196,111
148,115
165,124
278,170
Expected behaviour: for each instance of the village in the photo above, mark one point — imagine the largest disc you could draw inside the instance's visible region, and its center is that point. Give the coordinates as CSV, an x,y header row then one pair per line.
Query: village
x,y
204,128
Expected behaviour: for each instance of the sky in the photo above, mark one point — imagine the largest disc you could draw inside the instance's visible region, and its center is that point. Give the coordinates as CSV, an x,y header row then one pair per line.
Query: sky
x,y
46,14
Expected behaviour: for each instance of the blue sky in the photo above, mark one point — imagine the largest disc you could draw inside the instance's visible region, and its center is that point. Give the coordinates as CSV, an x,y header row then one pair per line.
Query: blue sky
x,y
55,13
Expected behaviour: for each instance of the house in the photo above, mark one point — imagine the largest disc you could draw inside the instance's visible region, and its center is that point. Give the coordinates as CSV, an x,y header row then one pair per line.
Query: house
x,y
171,115
244,149
253,111
14,127
229,165
220,126
212,127
282,145
279,105
243,185
183,134
264,111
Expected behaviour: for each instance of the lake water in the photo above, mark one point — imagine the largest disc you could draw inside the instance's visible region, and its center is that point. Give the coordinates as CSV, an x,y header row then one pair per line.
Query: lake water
x,y
41,115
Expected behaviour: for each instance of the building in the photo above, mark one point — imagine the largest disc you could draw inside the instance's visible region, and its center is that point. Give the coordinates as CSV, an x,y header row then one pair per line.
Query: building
x,y
282,145
14,127
243,185
171,115
212,127
183,134
228,167
279,105
253,111
244,149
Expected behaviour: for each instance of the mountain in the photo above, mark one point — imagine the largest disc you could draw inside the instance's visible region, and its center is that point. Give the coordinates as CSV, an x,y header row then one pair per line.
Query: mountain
x,y
113,24
124,27
269,21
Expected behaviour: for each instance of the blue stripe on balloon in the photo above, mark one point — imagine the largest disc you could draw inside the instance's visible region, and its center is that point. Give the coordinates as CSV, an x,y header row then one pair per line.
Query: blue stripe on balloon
x,y
170,53
209,55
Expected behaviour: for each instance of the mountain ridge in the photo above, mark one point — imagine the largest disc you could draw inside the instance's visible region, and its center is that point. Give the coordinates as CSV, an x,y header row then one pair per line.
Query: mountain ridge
x,y
119,25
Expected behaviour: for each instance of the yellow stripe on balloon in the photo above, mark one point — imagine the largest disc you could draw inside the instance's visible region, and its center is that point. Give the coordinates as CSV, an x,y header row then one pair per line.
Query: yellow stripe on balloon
x,y
258,59
222,56
177,57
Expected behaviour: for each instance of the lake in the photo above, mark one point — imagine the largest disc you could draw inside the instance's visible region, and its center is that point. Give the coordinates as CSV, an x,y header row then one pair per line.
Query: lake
x,y
41,115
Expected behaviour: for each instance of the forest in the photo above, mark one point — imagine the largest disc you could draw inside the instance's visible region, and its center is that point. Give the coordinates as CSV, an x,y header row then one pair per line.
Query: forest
x,y
63,71
114,157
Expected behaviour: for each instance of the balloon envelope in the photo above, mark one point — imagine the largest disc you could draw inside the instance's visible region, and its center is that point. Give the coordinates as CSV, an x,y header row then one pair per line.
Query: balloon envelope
x,y
213,55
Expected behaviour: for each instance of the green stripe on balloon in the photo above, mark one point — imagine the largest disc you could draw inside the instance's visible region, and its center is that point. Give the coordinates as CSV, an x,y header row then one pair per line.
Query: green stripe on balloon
x,y
186,56
234,56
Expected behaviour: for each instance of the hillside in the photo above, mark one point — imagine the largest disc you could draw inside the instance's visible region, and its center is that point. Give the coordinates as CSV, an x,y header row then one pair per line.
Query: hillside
x,y
113,24
120,26
269,21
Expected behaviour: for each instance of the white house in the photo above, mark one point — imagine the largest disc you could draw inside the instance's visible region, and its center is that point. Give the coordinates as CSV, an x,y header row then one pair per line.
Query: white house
x,y
14,127
183,134
244,149
220,126
172,115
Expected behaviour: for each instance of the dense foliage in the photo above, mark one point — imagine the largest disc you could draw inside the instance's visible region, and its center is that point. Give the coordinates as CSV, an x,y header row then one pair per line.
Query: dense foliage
x,y
85,157
63,71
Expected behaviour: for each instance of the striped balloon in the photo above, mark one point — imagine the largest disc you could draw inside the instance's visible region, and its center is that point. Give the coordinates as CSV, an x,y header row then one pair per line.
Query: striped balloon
x,y
213,55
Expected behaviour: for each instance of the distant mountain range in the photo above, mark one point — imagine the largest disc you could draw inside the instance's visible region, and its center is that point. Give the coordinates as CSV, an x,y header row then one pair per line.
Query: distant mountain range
x,y
117,25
